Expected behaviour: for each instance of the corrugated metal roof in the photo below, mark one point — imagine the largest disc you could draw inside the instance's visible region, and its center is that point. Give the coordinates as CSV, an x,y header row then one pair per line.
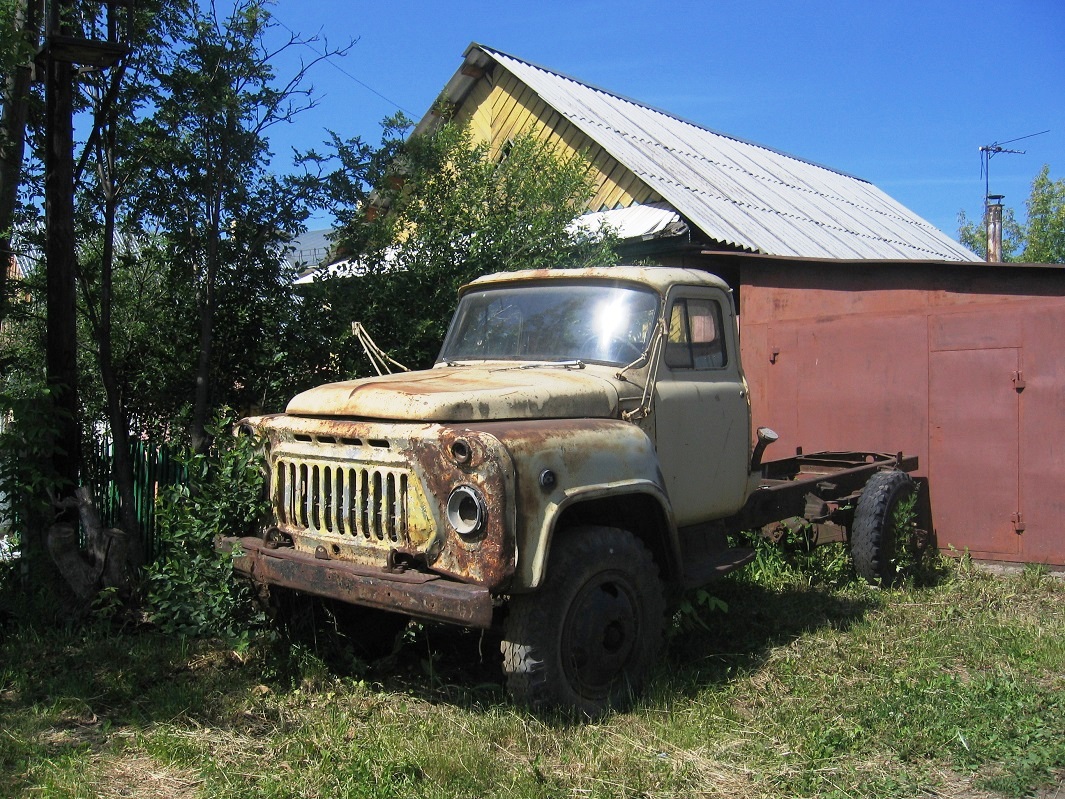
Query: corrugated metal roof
x,y
737,193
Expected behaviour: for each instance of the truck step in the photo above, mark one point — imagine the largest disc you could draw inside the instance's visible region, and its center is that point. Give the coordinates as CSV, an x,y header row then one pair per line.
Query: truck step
x,y
716,565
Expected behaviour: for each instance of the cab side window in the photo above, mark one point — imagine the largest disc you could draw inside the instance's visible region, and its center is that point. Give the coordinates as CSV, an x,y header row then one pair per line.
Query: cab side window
x,y
694,340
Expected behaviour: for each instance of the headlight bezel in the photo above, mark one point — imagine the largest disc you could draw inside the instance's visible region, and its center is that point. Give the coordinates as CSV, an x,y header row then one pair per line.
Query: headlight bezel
x,y
467,512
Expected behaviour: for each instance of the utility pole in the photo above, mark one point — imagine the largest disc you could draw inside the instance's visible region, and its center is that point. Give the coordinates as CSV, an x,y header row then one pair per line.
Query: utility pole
x,y
61,365
66,47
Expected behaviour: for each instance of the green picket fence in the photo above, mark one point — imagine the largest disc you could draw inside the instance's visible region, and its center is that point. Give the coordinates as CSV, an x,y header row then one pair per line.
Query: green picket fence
x,y
154,468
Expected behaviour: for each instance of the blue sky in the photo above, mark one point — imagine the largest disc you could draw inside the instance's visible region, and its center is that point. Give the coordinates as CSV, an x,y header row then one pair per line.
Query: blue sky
x,y
900,93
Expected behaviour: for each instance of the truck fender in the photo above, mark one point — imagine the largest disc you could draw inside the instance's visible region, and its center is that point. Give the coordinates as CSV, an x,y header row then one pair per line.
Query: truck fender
x,y
584,471
638,506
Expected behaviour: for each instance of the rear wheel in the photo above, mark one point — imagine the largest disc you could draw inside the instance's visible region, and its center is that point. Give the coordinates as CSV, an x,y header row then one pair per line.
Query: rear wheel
x,y
589,637
883,528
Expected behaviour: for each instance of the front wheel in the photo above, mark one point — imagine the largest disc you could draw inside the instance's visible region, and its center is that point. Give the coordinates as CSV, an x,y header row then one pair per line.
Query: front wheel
x,y
589,637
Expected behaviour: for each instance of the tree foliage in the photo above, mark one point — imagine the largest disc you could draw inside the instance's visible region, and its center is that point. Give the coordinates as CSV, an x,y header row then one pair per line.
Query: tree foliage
x,y
1045,240
224,213
181,219
1041,239
450,210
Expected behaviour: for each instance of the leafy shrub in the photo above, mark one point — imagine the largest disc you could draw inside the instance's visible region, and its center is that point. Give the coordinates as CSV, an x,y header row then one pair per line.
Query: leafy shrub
x,y
693,610
27,482
795,559
190,586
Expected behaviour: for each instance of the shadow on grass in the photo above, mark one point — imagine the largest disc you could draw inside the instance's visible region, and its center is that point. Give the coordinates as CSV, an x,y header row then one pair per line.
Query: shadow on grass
x,y
443,664
740,638
68,693
66,689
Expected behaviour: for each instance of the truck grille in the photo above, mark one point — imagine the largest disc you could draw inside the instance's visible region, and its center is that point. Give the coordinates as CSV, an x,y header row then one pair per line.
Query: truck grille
x,y
361,501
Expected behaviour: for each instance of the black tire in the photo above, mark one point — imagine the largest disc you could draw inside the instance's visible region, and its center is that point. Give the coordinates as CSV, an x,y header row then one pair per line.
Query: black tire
x,y
876,540
589,637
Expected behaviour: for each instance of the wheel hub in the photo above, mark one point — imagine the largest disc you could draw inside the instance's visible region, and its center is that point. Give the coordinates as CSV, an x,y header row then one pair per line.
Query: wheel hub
x,y
599,636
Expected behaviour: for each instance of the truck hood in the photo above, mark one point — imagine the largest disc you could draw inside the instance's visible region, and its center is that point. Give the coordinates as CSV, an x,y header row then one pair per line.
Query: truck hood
x,y
464,394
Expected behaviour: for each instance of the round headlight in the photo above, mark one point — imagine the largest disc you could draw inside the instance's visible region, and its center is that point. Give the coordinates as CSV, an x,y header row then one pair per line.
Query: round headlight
x,y
466,511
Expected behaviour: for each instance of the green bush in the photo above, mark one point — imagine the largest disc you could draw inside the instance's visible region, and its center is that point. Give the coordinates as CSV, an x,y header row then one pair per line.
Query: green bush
x,y
190,586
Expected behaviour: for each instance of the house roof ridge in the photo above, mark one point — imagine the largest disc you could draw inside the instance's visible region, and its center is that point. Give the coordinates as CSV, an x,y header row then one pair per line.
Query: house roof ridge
x,y
492,51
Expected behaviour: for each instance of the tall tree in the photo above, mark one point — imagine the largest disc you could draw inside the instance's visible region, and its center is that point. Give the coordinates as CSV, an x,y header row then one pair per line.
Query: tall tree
x,y
179,225
450,210
224,215
104,175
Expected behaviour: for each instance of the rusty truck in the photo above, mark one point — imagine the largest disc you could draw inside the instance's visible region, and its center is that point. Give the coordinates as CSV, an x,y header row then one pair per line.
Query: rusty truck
x,y
580,453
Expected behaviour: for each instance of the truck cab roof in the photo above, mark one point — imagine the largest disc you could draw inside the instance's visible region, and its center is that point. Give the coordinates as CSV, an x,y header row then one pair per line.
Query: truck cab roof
x,y
659,278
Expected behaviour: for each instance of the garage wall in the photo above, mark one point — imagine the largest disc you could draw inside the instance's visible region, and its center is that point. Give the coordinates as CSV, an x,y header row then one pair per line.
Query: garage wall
x,y
962,365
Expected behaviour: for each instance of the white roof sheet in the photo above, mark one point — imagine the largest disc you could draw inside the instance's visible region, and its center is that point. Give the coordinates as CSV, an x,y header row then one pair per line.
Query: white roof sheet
x,y
635,222
738,193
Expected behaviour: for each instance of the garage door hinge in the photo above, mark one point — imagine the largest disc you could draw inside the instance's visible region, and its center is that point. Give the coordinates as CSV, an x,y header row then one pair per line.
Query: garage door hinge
x,y
1018,380
1018,522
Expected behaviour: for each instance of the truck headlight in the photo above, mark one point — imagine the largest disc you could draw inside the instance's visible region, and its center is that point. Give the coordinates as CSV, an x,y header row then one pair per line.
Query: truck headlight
x,y
467,512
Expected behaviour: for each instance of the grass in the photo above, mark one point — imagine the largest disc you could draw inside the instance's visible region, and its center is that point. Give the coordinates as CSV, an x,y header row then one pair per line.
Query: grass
x,y
808,685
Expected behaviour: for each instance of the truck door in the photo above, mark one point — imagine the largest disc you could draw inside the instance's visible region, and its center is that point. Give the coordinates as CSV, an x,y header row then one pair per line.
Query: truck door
x,y
702,411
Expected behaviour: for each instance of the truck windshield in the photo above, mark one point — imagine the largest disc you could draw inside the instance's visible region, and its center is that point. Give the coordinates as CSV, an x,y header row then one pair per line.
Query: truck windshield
x,y
557,321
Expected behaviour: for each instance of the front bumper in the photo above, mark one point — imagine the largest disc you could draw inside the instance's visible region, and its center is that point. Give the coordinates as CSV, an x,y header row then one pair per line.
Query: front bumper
x,y
424,596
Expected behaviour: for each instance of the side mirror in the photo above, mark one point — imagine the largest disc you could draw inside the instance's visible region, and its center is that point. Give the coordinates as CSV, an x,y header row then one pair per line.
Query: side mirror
x,y
765,438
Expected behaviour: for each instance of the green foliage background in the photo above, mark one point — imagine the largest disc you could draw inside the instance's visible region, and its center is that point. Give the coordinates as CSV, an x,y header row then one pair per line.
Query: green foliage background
x,y
450,211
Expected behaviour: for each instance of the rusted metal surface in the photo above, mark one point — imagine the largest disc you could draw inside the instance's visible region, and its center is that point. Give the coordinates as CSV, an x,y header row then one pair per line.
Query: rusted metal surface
x,y
421,595
464,393
586,459
988,412
453,457
659,278
960,365
505,461
818,488
375,494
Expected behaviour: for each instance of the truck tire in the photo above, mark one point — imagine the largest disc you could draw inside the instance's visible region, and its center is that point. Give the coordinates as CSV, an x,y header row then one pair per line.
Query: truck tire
x,y
589,637
875,539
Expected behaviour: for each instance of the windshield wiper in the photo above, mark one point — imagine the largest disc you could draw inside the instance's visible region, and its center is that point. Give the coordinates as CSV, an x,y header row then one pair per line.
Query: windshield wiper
x,y
577,364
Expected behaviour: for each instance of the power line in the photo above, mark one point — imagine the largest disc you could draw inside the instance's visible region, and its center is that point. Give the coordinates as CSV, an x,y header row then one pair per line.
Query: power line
x,y
340,69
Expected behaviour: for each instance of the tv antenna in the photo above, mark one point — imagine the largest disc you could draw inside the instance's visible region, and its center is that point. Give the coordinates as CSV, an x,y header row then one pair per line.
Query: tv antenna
x,y
989,151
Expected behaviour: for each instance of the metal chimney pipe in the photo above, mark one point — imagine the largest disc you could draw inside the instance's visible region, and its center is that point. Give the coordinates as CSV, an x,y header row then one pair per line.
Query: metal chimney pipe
x,y
994,228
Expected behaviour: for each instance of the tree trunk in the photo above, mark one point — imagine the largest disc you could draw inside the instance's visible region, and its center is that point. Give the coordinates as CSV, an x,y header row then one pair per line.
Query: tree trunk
x,y
12,146
200,439
104,562
118,416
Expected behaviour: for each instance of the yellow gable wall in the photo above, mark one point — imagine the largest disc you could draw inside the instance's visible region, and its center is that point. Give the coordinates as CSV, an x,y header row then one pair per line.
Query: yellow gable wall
x,y
499,107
